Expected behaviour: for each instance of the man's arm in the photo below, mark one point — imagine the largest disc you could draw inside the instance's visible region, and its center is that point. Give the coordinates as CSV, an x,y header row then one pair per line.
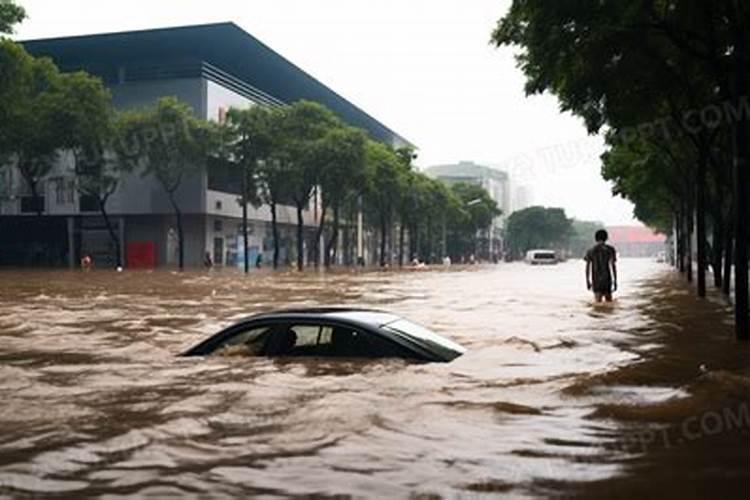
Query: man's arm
x,y
614,270
588,274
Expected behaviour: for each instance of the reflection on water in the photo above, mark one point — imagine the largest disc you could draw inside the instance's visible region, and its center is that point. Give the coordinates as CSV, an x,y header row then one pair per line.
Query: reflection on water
x,y
556,396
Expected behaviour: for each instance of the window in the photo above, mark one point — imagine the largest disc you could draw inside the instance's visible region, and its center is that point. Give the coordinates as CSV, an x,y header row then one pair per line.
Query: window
x,y
248,342
337,341
60,190
218,224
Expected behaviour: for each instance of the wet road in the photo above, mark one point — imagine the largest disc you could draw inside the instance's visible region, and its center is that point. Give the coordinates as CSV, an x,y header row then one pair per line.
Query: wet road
x,y
555,398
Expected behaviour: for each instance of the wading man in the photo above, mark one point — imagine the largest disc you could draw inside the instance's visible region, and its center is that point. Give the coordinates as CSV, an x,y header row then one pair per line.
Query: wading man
x,y
601,268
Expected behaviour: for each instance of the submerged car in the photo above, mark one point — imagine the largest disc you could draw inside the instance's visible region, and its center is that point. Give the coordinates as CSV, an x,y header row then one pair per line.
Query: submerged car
x,y
330,332
535,257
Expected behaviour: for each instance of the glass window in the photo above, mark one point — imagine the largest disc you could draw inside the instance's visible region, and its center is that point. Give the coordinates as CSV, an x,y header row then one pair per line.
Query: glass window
x,y
247,343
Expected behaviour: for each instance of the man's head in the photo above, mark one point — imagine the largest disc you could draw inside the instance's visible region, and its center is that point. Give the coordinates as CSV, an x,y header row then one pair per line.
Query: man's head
x,y
601,236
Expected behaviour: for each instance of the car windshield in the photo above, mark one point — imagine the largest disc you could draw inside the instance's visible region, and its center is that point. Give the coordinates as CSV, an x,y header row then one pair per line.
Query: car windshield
x,y
435,341
544,255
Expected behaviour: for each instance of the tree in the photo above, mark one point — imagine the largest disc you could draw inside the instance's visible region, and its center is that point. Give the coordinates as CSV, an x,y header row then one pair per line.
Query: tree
x,y
245,141
340,158
386,184
623,64
87,127
479,210
10,14
170,144
582,236
27,132
537,227
274,191
297,130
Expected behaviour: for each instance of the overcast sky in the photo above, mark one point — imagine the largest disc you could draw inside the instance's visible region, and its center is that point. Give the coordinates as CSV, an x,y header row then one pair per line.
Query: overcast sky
x,y
424,68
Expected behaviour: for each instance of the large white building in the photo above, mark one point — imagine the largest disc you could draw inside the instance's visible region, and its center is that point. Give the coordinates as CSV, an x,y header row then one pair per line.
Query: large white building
x,y
494,181
212,68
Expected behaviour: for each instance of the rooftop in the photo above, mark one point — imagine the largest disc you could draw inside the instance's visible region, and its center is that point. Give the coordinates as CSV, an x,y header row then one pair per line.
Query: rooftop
x,y
223,52
466,169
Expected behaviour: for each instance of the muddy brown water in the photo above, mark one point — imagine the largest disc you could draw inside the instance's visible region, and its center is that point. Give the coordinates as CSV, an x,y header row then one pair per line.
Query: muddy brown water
x,y
555,397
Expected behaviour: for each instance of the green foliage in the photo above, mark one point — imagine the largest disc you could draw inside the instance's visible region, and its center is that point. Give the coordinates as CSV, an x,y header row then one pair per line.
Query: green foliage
x,y
29,92
245,140
479,207
10,14
582,236
537,227
169,143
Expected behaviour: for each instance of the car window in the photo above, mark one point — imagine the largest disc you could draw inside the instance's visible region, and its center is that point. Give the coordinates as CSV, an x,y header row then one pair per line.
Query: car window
x,y
310,335
246,342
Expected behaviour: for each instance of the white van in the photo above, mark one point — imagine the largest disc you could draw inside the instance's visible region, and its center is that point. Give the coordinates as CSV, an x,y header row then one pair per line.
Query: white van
x,y
534,257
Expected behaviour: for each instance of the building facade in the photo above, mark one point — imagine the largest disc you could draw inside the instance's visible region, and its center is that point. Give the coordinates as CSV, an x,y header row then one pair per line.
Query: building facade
x,y
494,181
210,67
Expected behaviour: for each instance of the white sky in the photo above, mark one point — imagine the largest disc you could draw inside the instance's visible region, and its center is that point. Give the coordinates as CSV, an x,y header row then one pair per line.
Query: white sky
x,y
424,68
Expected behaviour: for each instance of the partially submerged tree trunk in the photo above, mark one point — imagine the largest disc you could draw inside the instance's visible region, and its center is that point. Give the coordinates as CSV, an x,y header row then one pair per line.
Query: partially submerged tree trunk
x,y
333,241
111,230
741,178
275,231
689,245
717,252
300,238
726,286
180,234
383,235
319,234
700,214
401,237
244,221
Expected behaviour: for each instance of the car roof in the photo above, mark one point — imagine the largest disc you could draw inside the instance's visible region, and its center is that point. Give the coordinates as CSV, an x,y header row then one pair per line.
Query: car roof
x,y
372,317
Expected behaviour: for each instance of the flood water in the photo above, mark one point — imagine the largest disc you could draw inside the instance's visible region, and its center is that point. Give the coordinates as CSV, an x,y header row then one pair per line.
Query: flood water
x,y
555,397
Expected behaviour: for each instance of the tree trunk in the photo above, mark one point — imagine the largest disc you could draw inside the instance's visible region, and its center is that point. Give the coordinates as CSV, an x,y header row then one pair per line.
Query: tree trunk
x,y
740,181
728,243
319,234
275,231
680,264
700,213
34,187
689,245
180,234
717,252
346,244
333,241
383,234
244,221
401,237
112,234
300,238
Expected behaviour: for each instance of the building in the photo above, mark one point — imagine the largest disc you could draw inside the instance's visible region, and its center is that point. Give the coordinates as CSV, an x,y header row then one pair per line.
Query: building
x,y
494,181
636,241
522,198
212,68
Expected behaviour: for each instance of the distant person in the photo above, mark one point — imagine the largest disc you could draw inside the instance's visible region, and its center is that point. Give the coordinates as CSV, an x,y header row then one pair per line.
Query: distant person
x,y
87,262
259,261
601,268
208,261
